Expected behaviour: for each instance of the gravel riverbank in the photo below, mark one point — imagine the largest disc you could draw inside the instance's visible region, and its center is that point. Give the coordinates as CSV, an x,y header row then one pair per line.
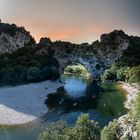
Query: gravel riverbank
x,y
24,103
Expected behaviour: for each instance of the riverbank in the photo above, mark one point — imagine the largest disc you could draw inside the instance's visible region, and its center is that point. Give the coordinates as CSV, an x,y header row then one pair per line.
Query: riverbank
x,y
132,91
126,123
25,103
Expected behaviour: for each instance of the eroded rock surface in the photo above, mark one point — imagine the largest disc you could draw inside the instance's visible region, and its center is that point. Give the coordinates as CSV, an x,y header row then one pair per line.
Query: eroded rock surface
x,y
13,38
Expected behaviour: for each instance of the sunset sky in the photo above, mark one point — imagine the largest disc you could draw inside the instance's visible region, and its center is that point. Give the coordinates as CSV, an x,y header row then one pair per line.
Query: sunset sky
x,y
72,20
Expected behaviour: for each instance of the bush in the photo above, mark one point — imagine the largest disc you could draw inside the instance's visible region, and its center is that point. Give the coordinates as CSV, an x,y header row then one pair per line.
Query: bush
x,y
13,75
110,74
136,111
120,74
127,74
84,129
135,75
56,131
51,73
33,74
76,69
8,75
25,65
109,132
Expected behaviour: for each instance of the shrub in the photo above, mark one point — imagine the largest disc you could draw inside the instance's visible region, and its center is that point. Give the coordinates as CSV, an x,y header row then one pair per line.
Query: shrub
x,y
109,132
8,75
127,74
33,74
110,74
84,129
76,69
135,75
56,131
136,111
120,74
52,73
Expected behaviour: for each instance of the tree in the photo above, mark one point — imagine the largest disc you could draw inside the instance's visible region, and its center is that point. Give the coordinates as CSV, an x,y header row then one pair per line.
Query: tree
x,y
110,132
56,131
84,129
110,74
7,75
120,74
51,72
135,75
33,74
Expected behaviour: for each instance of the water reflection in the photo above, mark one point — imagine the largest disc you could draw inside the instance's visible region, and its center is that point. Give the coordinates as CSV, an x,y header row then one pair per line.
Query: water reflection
x,y
103,102
79,94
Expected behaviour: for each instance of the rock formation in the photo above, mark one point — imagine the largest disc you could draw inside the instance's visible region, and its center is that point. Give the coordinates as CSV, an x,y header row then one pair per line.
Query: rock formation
x,y
96,57
13,38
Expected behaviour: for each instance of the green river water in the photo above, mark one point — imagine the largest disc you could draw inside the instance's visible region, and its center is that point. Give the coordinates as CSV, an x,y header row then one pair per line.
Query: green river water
x,y
103,101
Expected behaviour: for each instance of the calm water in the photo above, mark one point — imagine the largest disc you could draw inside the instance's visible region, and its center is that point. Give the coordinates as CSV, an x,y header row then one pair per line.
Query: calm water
x,y
103,101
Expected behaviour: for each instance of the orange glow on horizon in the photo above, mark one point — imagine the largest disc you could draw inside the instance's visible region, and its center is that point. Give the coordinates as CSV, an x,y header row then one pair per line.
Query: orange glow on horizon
x,y
71,34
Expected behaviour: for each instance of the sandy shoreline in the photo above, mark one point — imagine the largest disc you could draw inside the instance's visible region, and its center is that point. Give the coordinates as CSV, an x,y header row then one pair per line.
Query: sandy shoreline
x,y
24,103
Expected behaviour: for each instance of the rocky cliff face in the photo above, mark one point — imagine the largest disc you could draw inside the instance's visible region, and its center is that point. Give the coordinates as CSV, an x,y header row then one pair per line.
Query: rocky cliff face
x,y
13,38
95,57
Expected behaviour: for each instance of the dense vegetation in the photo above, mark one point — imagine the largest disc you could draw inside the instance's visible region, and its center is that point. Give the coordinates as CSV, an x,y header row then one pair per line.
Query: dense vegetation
x,y
122,73
25,65
85,129
127,68
76,69
109,132
9,29
112,131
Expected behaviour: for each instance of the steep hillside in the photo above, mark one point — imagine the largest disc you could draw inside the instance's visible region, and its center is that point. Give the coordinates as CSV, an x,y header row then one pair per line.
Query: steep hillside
x,y
13,37
107,59
127,67
96,57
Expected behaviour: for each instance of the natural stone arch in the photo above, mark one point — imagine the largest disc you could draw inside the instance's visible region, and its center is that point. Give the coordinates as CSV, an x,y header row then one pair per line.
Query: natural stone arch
x,y
77,63
89,65
96,57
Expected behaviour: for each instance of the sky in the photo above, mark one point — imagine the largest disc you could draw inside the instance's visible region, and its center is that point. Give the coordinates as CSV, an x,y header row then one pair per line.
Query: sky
x,y
72,20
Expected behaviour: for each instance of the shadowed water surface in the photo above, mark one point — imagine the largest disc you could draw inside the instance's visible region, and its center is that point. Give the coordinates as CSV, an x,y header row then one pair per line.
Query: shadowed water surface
x,y
103,102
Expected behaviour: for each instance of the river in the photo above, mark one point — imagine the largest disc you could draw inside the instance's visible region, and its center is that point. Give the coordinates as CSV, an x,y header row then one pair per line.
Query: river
x,y
103,101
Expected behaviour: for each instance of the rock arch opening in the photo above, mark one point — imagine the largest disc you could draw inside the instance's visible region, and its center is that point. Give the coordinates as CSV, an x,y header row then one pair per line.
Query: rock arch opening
x,y
76,69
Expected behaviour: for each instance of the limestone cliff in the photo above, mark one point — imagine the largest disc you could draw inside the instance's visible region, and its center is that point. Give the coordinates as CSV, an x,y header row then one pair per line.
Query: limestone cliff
x,y
13,37
96,57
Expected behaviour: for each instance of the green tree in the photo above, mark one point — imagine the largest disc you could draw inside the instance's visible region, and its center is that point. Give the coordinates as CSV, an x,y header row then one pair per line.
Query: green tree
x,y
120,74
110,132
7,75
85,129
135,75
51,73
110,74
56,131
33,74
